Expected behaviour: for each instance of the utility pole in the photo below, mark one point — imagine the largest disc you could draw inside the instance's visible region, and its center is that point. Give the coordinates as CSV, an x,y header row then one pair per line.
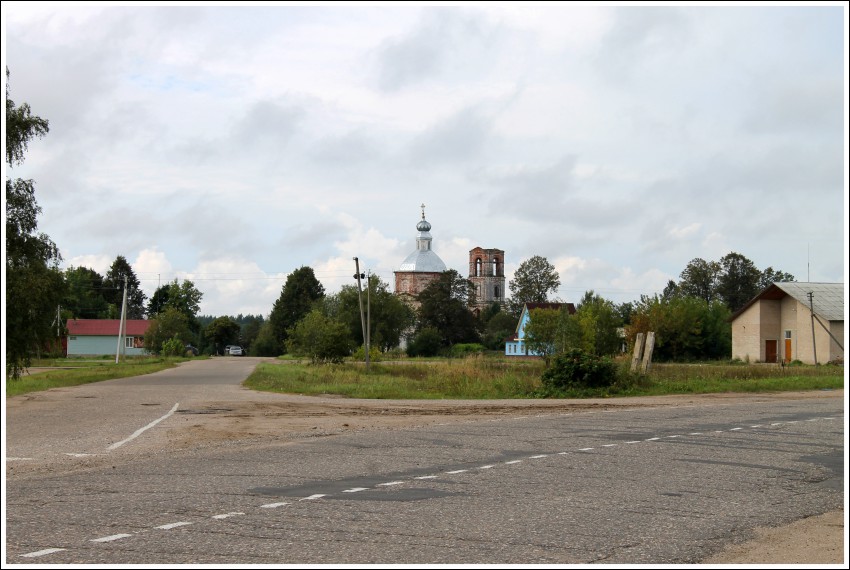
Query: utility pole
x,y
121,322
811,295
368,316
360,276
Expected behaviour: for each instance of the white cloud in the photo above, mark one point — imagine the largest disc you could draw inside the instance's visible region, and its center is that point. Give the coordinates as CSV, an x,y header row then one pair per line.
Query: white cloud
x,y
621,141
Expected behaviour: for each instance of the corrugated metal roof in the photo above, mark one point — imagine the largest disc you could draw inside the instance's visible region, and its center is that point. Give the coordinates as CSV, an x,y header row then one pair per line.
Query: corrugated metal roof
x,y
106,327
827,298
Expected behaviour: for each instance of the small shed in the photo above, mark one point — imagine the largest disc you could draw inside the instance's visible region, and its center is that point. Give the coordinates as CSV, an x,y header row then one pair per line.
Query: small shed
x,y
98,337
791,321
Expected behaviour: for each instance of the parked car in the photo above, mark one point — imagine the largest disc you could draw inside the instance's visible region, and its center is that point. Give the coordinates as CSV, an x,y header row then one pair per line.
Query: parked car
x,y
235,351
192,349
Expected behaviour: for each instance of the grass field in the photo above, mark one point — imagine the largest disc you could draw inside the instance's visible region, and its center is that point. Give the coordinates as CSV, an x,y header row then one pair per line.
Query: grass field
x,y
475,377
63,372
482,377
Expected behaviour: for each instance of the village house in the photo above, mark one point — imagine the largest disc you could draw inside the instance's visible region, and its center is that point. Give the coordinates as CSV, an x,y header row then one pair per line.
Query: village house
x,y
791,321
99,337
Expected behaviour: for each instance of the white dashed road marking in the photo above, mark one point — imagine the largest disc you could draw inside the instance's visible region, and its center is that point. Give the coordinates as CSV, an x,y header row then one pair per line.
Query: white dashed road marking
x,y
41,552
169,526
110,538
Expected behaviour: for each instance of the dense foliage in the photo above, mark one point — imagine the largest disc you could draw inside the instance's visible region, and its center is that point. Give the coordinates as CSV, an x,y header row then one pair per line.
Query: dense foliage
x,y
576,369
34,284
533,281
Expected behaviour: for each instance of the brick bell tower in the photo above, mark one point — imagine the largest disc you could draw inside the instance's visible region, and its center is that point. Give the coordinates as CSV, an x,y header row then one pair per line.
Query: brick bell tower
x,y
487,274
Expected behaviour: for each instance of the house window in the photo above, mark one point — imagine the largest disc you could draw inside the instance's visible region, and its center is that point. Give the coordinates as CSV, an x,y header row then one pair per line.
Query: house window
x,y
478,267
73,338
496,292
787,334
128,342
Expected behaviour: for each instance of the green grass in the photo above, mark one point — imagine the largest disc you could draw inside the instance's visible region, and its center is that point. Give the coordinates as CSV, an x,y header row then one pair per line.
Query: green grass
x,y
73,372
480,377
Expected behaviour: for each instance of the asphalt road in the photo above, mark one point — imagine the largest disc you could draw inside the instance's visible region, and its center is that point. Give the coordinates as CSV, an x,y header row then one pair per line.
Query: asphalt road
x,y
666,485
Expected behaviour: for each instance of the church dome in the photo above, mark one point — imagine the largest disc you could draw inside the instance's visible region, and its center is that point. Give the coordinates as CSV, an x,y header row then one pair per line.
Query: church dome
x,y
423,259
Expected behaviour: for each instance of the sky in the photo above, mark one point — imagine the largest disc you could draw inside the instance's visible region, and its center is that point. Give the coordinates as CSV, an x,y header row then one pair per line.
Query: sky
x,y
232,145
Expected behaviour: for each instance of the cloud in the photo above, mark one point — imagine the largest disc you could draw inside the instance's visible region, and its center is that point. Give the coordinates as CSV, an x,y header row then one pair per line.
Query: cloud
x,y
446,44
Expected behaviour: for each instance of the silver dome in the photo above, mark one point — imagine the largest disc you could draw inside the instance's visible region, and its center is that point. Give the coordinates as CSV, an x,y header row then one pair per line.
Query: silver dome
x,y
423,259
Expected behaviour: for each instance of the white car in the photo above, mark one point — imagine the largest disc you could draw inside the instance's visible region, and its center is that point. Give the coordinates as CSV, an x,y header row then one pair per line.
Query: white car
x,y
235,351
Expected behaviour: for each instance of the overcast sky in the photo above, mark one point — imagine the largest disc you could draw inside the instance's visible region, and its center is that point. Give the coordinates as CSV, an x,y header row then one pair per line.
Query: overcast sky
x,y
233,145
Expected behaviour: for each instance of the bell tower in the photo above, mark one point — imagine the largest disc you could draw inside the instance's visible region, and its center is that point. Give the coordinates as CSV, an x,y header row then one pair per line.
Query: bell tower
x,y
487,274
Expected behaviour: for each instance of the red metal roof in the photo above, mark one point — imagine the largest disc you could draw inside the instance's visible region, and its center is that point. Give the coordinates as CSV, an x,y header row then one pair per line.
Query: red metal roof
x,y
106,327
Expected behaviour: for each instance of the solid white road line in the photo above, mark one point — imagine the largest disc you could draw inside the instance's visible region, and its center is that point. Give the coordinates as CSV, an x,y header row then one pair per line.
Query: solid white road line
x,y
140,431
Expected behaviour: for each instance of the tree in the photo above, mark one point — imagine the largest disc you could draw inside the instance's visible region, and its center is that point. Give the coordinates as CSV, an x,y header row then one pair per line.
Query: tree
x,y
497,328
168,324
686,328
34,283
323,339
533,280
738,281
444,305
114,288
549,332
389,316
84,297
223,331
600,325
699,279
770,276
297,297
734,280
184,297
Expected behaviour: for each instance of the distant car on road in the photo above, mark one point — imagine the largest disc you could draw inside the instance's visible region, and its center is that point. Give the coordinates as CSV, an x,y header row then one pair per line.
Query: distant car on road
x,y
235,351
192,349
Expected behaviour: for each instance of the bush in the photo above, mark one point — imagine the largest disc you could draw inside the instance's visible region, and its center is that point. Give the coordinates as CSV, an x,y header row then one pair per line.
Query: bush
x,y
427,342
374,354
173,347
466,349
576,369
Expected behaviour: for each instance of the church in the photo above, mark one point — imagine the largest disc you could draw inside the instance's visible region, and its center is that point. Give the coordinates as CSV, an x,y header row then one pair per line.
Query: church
x,y
423,266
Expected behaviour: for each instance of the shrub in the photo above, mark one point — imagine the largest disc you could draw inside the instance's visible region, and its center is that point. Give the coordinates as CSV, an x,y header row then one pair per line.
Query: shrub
x,y
576,369
173,347
427,342
374,354
466,349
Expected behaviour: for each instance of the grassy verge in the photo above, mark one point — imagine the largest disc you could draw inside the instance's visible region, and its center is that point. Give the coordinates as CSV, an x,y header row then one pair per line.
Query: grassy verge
x,y
73,372
480,377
